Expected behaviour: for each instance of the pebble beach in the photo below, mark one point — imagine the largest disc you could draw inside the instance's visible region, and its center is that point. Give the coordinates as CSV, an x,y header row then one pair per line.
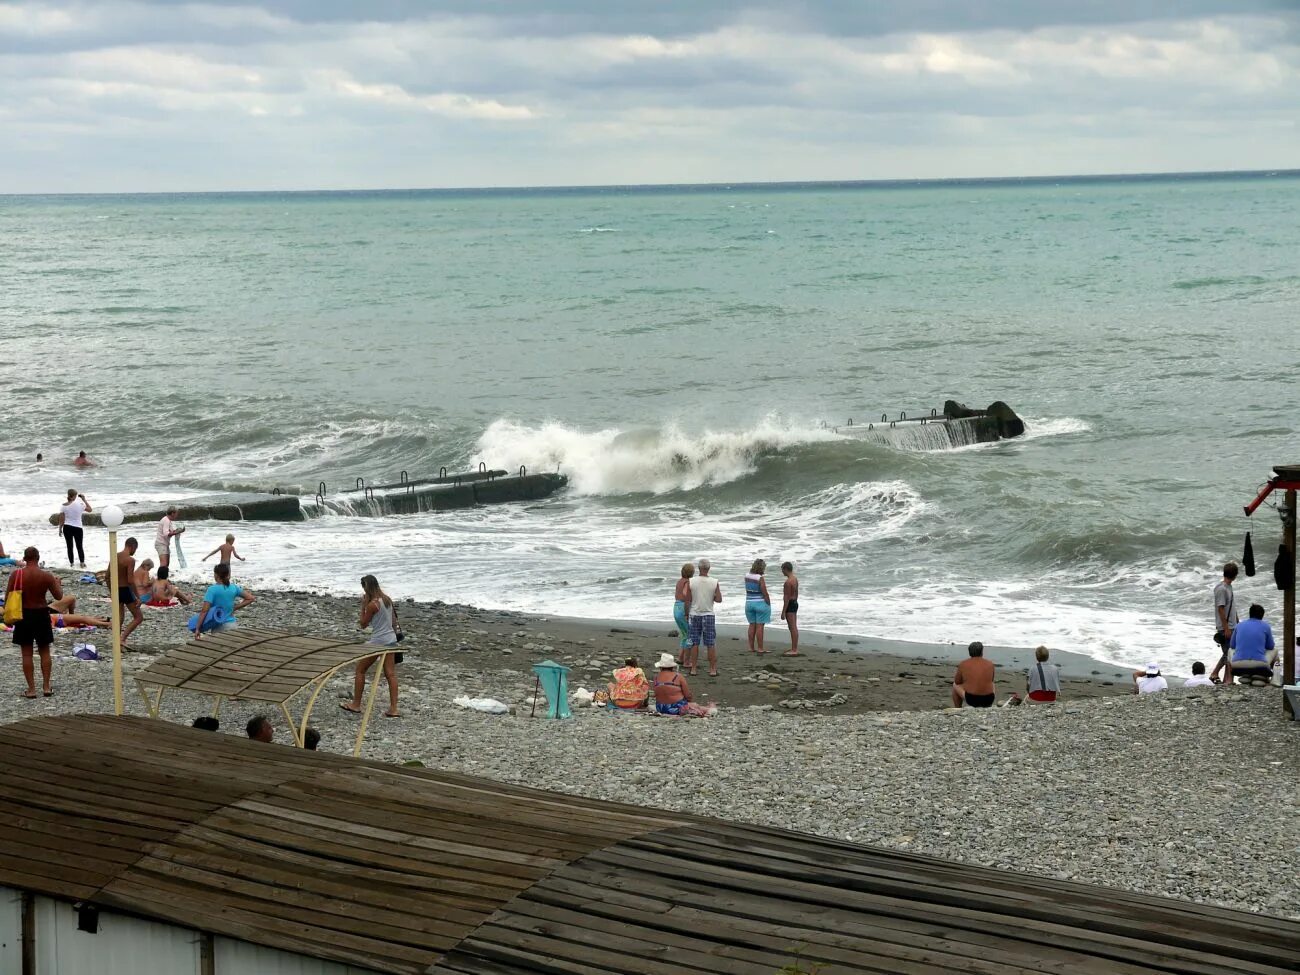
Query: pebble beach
x,y
1147,794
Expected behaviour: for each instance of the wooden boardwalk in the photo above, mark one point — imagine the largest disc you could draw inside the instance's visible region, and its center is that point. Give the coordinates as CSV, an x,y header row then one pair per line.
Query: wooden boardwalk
x,y
403,870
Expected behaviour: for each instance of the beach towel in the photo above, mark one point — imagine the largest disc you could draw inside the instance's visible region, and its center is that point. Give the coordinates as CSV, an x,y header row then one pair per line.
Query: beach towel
x,y
8,561
487,705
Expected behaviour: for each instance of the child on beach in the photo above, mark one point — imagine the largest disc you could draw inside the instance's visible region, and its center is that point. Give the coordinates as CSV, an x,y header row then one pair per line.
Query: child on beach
x,y
790,606
227,550
163,593
758,605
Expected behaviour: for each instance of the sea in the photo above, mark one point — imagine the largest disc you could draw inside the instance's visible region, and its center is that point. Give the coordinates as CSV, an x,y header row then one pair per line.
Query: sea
x,y
689,357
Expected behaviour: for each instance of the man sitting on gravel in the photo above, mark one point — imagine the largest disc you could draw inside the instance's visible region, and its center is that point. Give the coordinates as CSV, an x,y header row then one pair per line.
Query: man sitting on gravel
x,y
1253,649
972,687
1198,678
1149,681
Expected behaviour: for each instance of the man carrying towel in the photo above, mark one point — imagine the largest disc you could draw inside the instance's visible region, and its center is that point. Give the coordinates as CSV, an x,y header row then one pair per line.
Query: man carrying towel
x,y
167,530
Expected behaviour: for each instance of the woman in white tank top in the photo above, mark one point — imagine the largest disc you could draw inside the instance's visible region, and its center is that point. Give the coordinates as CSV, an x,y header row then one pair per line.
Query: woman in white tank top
x,y
380,614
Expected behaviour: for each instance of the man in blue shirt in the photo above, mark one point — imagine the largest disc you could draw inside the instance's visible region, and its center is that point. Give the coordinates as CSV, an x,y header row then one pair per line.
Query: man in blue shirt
x,y
1252,649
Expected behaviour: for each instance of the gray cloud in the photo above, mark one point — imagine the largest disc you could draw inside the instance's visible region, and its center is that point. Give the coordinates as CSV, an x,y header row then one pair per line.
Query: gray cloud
x,y
132,95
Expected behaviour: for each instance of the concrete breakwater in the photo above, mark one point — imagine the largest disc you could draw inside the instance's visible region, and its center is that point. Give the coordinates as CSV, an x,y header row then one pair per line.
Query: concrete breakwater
x,y
213,507
447,492
957,426
441,494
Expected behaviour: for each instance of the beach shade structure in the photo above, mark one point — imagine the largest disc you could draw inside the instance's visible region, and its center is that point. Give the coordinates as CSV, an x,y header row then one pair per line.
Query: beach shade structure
x,y
271,666
1286,478
553,679
171,849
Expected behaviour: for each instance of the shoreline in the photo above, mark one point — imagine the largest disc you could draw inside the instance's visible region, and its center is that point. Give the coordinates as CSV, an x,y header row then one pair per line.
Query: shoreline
x,y
834,673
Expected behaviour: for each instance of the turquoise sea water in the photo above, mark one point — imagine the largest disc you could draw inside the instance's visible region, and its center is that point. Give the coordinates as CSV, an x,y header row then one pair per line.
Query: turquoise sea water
x,y
681,355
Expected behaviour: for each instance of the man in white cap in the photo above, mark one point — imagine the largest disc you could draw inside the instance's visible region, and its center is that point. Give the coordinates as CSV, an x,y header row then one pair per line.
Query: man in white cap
x,y
1149,681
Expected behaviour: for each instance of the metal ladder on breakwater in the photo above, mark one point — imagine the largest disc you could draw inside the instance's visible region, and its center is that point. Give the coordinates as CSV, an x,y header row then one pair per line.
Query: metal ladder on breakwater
x,y
408,485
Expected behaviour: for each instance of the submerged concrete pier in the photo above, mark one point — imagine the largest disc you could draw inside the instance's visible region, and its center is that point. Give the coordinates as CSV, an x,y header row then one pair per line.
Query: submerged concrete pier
x,y
444,494
957,426
213,507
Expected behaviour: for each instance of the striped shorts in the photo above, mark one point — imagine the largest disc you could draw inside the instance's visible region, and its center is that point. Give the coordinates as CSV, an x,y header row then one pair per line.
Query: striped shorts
x,y
703,629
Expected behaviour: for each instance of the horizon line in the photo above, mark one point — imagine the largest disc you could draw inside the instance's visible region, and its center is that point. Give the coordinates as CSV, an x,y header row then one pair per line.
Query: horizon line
x,y
717,185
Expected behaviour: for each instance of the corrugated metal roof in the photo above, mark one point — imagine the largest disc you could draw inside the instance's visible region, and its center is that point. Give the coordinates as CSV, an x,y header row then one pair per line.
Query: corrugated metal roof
x,y
405,870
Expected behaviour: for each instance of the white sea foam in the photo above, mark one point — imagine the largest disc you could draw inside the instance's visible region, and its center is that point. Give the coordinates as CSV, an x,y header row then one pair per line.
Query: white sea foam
x,y
656,461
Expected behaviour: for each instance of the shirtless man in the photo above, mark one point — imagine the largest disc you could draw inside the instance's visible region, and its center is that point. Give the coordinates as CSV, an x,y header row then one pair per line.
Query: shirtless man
x,y
33,631
125,590
164,593
81,461
142,581
972,687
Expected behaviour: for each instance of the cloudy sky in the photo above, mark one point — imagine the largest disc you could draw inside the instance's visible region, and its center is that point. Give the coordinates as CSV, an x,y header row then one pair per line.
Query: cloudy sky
x,y
286,94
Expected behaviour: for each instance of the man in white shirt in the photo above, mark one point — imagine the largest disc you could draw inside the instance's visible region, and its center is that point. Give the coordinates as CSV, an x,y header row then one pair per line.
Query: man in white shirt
x,y
1149,681
705,592
1198,678
167,530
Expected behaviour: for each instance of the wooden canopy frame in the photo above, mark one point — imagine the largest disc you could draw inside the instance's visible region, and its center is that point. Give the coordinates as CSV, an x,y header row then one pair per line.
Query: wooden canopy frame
x,y
273,666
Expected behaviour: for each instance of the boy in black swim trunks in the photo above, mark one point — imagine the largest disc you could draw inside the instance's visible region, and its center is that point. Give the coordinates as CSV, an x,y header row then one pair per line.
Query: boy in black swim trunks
x,y
790,606
125,591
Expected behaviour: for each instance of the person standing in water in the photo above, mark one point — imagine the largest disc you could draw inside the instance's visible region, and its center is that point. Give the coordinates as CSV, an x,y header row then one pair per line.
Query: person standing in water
x,y
70,526
790,606
758,605
378,613
682,605
81,460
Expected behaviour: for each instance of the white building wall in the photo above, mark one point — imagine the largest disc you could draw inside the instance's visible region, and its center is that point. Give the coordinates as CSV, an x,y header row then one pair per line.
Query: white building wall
x,y
11,930
123,945
133,946
241,958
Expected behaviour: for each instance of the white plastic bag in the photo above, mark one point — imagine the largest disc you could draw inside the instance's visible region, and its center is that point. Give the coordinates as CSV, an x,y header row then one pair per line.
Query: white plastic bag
x,y
488,705
582,698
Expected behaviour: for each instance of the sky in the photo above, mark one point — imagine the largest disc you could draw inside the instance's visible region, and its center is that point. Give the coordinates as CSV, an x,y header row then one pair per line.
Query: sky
x,y
328,94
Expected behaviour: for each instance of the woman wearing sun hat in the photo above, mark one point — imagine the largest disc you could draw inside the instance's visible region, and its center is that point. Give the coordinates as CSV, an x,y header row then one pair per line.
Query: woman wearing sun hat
x,y
673,694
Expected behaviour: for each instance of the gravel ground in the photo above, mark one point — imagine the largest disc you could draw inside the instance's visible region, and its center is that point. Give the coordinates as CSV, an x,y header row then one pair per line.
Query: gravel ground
x,y
1146,794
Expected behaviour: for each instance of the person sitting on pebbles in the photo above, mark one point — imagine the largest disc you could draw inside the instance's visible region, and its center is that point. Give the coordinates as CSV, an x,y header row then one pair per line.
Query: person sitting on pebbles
x,y
142,579
629,689
1253,649
163,593
1043,681
1149,681
972,686
673,694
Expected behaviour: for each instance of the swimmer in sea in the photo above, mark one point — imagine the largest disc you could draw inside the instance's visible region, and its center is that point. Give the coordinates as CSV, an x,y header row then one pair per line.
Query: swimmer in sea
x,y
81,461
790,607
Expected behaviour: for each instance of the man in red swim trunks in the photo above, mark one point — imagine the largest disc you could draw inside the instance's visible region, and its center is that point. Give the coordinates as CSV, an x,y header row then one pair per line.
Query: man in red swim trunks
x,y
972,686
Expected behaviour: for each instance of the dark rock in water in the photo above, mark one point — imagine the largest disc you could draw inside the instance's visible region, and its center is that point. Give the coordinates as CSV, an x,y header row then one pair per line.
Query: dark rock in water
x,y
998,422
1009,424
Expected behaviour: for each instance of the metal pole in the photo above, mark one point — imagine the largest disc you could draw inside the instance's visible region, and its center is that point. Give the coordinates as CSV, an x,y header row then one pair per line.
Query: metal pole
x,y
116,617
1288,599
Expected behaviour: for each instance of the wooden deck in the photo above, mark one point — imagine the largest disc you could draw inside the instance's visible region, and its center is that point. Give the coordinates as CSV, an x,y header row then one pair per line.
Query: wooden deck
x,y
402,870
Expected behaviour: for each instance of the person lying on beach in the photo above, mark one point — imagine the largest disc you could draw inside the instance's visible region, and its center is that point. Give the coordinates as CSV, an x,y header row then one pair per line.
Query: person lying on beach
x,y
63,617
972,686
163,593
629,688
1044,680
142,579
673,694
227,550
1149,681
